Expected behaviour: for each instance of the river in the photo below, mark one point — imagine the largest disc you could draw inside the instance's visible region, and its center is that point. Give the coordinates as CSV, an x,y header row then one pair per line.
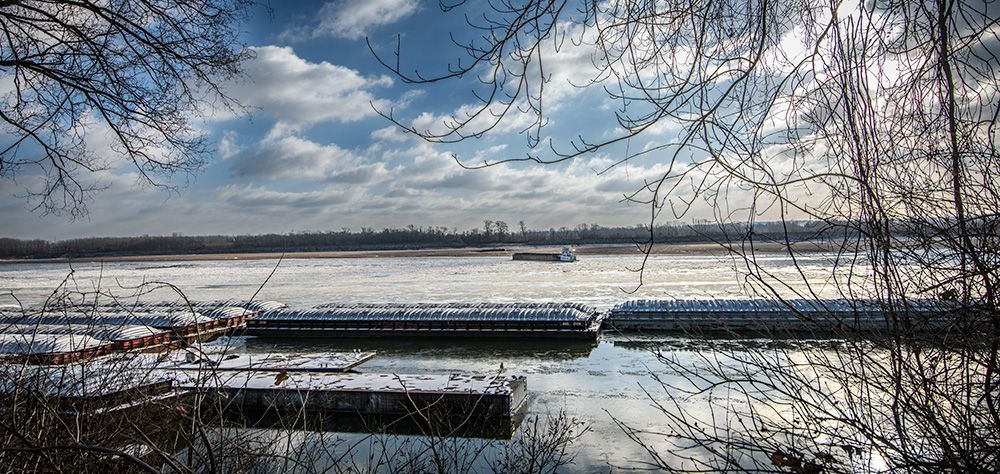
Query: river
x,y
593,382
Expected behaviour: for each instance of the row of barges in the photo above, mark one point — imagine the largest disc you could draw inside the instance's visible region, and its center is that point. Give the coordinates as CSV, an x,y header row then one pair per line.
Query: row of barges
x,y
60,335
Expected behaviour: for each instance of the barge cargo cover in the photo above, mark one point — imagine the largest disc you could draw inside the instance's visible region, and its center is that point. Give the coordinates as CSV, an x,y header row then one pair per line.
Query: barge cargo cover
x,y
521,320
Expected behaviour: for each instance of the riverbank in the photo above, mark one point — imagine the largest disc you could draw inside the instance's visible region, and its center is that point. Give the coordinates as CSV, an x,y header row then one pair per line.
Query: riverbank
x,y
703,248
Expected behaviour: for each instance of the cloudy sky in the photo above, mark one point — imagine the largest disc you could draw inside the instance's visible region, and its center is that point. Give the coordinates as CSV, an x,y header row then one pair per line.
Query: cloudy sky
x,y
314,155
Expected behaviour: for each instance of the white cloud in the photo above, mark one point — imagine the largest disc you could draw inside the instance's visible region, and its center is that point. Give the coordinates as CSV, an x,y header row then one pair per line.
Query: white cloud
x,y
295,157
391,133
422,186
251,197
352,19
665,126
569,63
299,93
476,119
228,147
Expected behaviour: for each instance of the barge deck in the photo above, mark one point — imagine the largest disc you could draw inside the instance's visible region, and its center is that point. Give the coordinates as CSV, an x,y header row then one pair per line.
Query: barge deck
x,y
769,316
511,320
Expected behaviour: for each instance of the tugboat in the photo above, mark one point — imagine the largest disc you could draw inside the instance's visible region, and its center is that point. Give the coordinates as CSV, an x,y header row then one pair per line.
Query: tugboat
x,y
566,255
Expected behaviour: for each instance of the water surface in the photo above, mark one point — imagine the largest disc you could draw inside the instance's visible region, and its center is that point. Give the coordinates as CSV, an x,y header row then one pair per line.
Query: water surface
x,y
596,382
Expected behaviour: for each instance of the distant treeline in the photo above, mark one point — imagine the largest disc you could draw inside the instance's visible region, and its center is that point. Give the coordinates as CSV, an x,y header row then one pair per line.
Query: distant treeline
x,y
410,237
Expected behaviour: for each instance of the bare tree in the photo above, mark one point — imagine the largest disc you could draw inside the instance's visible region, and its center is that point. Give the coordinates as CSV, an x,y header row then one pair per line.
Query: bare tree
x,y
502,229
878,119
138,70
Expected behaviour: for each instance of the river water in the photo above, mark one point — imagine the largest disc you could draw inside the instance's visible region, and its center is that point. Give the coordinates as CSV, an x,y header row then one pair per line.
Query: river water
x,y
597,383
600,280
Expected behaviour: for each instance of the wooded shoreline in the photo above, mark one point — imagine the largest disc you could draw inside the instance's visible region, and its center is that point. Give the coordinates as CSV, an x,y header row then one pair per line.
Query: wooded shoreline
x,y
701,248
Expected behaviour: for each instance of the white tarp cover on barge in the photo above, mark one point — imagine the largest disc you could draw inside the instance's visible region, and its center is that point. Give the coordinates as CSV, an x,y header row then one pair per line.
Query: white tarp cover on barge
x,y
123,329
525,320
25,344
165,315
199,306
212,310
828,306
156,319
441,312
107,333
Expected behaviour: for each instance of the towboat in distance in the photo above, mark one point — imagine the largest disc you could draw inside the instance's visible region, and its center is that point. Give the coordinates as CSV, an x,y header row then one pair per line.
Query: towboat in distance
x,y
566,255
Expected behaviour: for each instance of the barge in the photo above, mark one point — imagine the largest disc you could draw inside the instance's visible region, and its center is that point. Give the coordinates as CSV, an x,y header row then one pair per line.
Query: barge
x,y
122,338
283,383
62,335
517,320
51,348
481,397
566,255
768,316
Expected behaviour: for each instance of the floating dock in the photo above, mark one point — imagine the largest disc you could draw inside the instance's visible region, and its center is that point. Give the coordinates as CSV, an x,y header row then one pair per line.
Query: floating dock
x,y
287,386
486,397
85,388
519,320
482,397
481,406
764,316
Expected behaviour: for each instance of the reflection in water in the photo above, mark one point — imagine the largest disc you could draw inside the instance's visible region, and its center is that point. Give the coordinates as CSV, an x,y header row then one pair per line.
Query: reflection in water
x,y
651,342
596,383
418,423
280,449
553,349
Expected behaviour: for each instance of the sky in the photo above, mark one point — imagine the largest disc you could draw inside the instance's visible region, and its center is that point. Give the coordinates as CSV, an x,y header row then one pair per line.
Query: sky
x,y
312,154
